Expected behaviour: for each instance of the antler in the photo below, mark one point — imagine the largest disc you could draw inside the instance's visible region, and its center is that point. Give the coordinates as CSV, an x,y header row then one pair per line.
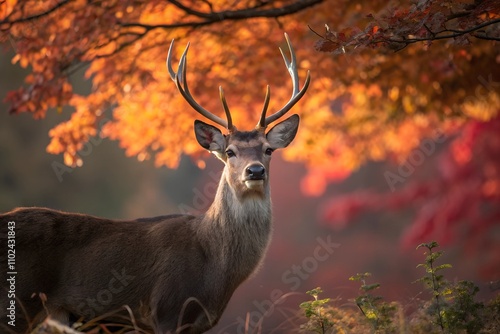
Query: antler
x,y
180,81
297,94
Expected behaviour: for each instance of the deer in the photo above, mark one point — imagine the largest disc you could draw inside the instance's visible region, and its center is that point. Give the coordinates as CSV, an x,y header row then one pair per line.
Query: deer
x,y
175,273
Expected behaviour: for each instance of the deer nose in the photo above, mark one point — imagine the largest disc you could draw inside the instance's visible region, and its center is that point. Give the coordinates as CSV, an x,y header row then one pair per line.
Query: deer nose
x,y
255,172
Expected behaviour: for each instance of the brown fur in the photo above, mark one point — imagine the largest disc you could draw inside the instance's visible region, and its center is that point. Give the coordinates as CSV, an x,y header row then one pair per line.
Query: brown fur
x,y
177,273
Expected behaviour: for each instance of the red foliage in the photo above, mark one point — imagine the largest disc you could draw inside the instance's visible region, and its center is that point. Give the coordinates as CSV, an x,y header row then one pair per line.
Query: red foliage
x,y
462,200
425,21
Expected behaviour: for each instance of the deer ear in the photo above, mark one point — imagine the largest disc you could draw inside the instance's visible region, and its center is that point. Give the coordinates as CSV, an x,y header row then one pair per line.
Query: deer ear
x,y
209,137
282,134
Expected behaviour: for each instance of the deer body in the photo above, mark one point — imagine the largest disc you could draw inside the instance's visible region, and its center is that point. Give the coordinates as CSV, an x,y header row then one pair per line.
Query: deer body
x,y
176,273
166,250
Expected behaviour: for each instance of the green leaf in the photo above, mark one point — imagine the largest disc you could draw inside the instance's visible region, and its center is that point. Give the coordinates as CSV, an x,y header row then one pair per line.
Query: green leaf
x,y
314,292
443,266
430,245
370,287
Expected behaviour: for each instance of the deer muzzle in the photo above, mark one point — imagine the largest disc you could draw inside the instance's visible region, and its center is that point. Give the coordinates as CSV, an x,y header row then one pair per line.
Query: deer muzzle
x,y
254,176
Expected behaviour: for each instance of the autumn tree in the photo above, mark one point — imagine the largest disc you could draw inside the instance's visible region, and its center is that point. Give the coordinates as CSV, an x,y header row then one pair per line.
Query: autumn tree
x,y
452,91
387,78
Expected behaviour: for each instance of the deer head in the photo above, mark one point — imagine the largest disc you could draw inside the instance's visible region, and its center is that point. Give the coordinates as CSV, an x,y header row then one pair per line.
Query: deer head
x,y
246,154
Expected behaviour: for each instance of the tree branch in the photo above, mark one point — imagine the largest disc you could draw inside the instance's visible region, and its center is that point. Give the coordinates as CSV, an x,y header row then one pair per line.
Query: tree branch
x,y
367,39
189,10
454,33
8,22
235,15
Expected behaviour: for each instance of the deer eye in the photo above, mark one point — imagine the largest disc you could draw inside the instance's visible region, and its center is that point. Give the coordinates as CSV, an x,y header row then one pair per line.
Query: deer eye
x,y
230,153
269,151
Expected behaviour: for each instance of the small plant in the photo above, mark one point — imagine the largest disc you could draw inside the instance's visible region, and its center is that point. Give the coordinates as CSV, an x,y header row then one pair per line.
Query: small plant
x,y
317,313
463,312
452,306
378,313
491,316
435,281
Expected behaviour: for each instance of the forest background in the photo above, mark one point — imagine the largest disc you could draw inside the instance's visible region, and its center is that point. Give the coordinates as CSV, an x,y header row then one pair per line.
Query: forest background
x,y
399,140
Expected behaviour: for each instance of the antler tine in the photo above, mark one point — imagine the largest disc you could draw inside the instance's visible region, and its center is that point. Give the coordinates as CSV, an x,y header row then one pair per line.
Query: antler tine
x,y
169,61
262,121
297,94
180,81
230,126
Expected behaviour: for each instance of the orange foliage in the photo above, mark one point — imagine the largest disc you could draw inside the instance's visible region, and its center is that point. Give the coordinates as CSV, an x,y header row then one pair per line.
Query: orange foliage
x,y
6,8
365,104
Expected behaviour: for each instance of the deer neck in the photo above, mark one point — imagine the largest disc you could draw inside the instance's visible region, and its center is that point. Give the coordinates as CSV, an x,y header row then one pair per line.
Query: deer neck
x,y
238,228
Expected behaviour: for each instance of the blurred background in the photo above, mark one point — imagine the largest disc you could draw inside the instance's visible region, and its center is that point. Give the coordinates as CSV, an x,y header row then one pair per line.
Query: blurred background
x,y
351,218
111,185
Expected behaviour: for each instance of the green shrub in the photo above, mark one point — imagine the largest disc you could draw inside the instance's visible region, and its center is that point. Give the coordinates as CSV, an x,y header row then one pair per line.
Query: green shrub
x,y
450,308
